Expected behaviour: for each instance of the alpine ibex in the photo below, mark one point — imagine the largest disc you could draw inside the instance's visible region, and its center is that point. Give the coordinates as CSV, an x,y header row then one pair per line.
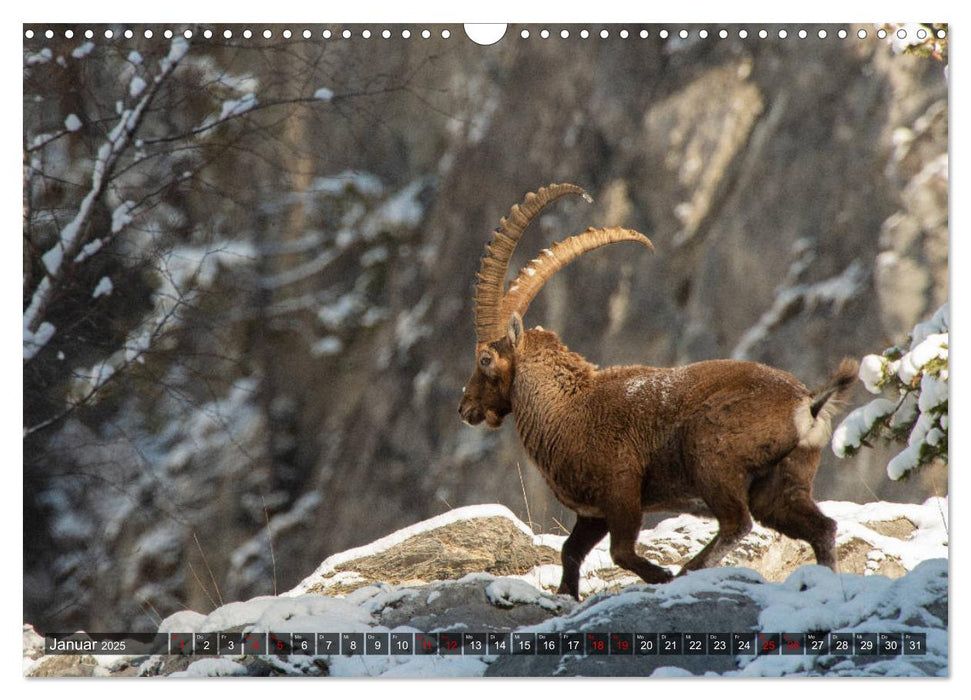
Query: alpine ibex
x,y
740,438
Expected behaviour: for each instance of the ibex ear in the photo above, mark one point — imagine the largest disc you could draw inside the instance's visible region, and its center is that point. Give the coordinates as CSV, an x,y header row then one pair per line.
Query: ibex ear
x,y
515,330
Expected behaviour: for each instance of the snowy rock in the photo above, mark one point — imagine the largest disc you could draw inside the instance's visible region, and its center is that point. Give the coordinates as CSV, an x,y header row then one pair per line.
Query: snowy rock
x,y
726,598
204,668
509,592
473,539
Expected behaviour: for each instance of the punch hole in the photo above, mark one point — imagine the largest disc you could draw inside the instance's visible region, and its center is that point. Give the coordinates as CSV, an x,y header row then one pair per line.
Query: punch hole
x,y
703,33
742,33
821,33
425,34
485,34
287,34
584,34
803,33
29,34
227,34
882,34
564,34
921,34
207,34
187,33
405,34
544,34
129,33
386,34
49,33
149,34
683,33
524,34
841,33
941,34
783,33
88,34
624,34
763,34
644,34
663,33
861,34
69,33
723,34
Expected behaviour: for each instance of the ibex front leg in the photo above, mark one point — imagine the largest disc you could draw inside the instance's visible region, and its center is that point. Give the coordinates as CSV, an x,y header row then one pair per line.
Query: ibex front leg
x,y
586,533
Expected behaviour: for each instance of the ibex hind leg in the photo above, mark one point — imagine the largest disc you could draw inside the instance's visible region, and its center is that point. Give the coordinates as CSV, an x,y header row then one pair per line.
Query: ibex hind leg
x,y
586,533
782,500
734,523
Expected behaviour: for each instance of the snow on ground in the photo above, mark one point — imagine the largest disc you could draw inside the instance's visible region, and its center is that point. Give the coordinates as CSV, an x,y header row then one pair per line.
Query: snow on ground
x,y
689,533
508,592
208,668
928,541
677,535
812,598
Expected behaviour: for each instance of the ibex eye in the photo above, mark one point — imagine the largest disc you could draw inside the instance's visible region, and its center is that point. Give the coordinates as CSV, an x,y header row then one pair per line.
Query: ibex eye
x,y
485,361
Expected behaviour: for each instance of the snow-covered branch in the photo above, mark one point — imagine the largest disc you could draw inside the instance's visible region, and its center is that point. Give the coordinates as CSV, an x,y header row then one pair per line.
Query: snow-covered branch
x,y
918,413
72,240
248,104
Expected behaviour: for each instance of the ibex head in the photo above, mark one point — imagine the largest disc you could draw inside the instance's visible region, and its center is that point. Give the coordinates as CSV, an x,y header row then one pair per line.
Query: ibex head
x,y
499,325
487,395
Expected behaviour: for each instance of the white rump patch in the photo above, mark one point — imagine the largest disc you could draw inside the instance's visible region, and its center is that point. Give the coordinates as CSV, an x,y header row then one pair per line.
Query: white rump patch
x,y
814,432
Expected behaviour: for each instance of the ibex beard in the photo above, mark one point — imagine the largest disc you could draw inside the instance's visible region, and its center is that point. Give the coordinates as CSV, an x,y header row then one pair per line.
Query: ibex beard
x,y
742,438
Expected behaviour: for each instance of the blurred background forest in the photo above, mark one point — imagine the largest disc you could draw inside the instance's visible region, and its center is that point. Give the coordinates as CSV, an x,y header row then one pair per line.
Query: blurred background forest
x,y
249,264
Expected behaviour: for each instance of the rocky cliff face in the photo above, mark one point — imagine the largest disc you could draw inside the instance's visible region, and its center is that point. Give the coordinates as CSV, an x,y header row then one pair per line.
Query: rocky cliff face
x,y
796,195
